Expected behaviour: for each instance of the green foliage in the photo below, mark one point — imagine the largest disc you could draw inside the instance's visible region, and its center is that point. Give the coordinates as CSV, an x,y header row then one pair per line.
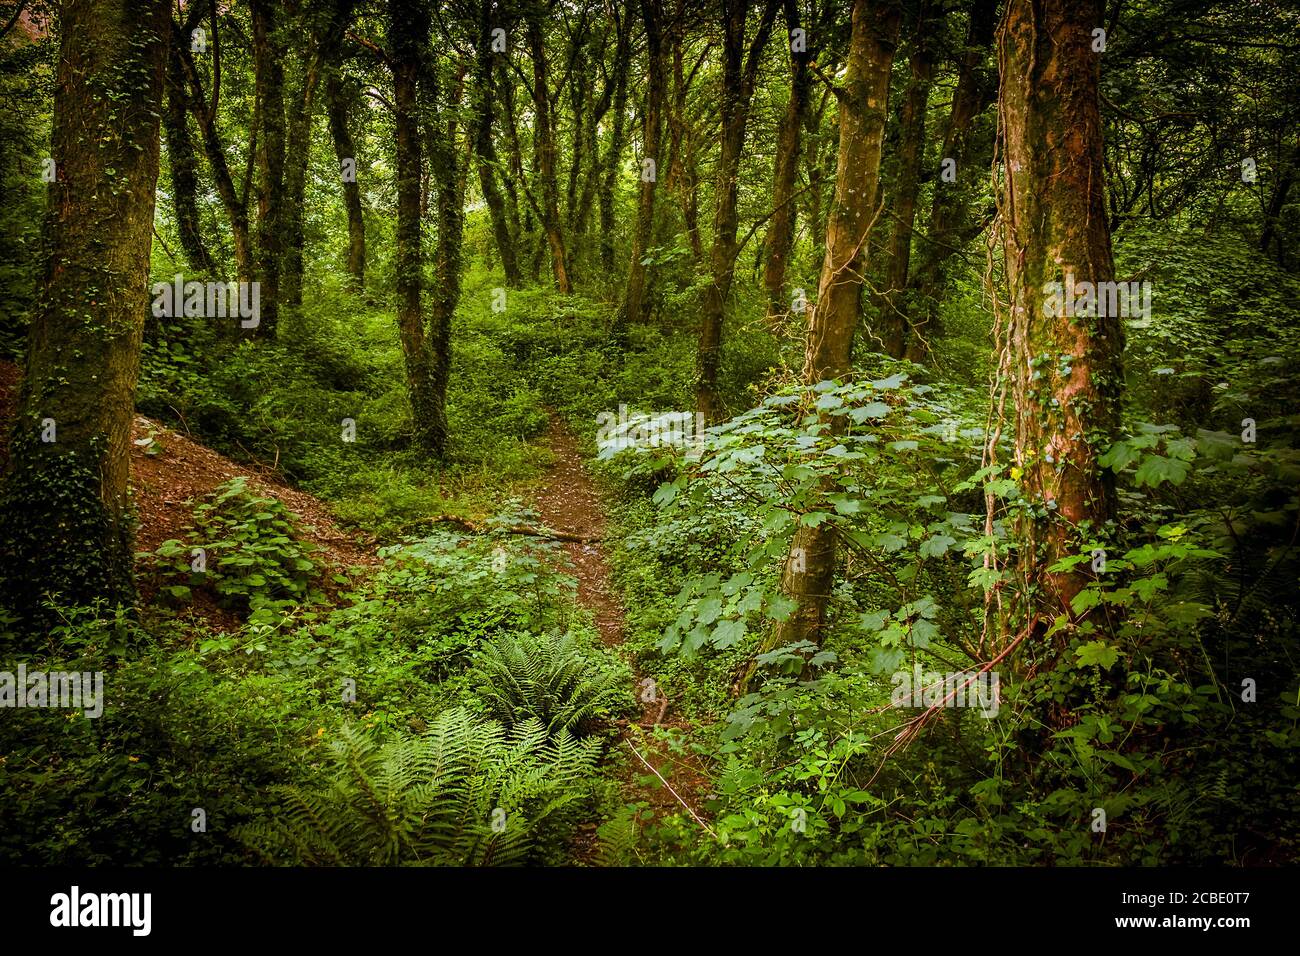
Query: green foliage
x,y
463,793
250,555
548,679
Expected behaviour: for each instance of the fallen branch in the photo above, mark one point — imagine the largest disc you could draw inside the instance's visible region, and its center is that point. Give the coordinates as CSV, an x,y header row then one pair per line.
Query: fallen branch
x,y
693,814
525,529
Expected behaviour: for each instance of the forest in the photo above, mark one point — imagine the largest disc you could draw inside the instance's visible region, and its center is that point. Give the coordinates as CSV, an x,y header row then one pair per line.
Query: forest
x,y
641,433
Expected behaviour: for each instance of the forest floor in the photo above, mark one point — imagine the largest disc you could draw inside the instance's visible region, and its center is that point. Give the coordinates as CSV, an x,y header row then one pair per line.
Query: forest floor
x,y
650,774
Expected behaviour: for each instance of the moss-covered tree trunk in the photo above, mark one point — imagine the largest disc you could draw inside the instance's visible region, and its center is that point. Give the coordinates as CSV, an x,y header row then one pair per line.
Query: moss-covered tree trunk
x,y
636,303
64,506
547,156
968,144
1065,368
892,326
611,164
809,573
683,168
408,31
447,172
268,67
485,157
214,151
739,72
789,140
184,168
297,159
345,151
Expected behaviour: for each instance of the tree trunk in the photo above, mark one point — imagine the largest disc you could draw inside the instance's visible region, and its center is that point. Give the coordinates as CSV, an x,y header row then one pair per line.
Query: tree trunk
x,y
408,30
447,175
613,160
970,147
780,233
547,157
63,506
345,150
268,64
214,151
636,304
298,158
604,170
683,173
809,574
485,158
184,169
738,75
893,328
1065,368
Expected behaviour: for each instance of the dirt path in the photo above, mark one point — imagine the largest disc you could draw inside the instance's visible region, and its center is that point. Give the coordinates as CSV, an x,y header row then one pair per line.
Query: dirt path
x,y
568,501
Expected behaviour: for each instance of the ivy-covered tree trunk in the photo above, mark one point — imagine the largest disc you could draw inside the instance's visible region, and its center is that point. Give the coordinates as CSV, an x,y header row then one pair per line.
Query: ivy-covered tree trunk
x,y
447,172
345,151
968,144
809,573
635,302
780,234
893,327
64,506
268,64
1065,369
739,71
408,31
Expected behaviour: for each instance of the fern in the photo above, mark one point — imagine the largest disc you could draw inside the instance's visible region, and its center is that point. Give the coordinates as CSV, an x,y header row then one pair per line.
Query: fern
x,y
547,679
466,792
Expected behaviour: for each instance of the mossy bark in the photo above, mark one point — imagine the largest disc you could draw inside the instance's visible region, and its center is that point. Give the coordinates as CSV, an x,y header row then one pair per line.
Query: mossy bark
x,y
809,573
1065,368
64,502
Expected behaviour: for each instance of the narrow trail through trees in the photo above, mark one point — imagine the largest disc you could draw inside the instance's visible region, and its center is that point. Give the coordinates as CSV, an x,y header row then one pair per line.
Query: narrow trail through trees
x,y
569,502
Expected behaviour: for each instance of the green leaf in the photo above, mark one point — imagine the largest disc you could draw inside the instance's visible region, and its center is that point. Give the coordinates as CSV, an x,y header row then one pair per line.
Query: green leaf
x,y
1096,652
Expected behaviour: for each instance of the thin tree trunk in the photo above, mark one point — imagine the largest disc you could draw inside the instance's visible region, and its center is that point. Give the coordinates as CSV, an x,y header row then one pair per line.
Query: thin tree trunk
x,y
485,158
184,169
738,77
345,150
299,158
447,176
1065,369
214,151
780,233
892,326
683,173
970,147
63,504
547,156
636,304
605,169
809,575
613,160
268,63
408,30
